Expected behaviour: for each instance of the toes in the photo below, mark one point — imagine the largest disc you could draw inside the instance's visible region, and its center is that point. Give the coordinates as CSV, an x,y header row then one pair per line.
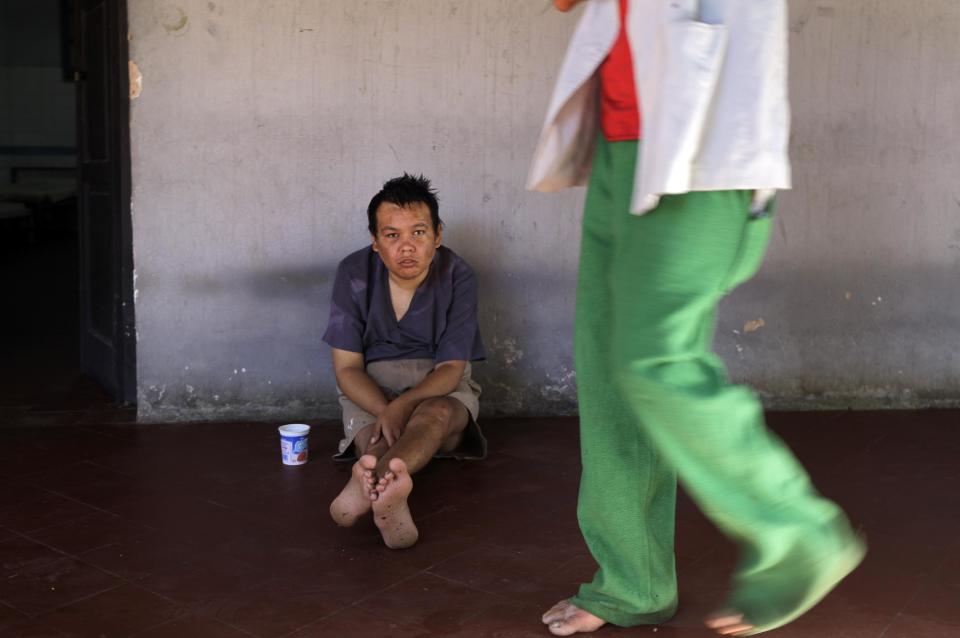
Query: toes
x,y
576,623
566,619
561,628
723,619
555,613
397,466
727,623
368,462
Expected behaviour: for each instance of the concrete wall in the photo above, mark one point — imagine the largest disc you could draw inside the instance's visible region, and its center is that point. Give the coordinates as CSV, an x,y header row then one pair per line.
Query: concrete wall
x,y
264,128
861,289
37,107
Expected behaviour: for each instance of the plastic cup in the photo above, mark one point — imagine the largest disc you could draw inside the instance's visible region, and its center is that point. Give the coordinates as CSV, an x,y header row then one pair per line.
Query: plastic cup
x,y
293,443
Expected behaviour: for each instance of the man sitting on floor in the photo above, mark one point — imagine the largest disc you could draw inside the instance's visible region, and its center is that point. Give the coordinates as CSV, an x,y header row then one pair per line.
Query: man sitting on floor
x,y
403,330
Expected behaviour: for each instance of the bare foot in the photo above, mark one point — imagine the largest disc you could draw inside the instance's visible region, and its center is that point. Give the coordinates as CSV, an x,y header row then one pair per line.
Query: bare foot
x,y
390,510
354,501
566,619
728,623
788,589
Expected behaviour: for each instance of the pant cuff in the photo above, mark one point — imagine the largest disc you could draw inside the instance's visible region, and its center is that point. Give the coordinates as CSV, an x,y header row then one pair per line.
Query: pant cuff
x,y
621,618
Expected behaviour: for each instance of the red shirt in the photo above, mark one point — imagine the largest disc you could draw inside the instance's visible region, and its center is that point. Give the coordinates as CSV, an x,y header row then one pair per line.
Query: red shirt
x,y
619,111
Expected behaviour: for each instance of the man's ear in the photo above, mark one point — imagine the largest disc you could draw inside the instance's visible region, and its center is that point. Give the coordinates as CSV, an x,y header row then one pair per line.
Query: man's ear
x,y
439,238
373,243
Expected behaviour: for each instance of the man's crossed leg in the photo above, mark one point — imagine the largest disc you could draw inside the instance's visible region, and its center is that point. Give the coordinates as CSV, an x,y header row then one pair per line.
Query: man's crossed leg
x,y
381,480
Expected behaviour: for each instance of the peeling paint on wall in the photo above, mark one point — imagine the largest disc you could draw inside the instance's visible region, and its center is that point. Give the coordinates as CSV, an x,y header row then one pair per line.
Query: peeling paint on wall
x,y
562,385
136,80
506,350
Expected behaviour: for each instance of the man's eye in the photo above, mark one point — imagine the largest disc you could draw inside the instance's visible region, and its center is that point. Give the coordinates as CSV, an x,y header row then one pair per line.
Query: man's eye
x,y
391,235
419,232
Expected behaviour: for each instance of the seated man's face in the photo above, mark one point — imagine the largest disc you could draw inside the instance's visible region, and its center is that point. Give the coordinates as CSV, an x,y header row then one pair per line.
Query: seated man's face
x,y
405,239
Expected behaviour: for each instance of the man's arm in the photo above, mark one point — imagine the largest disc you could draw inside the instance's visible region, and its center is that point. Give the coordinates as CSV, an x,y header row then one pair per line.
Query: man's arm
x,y
353,380
392,416
441,381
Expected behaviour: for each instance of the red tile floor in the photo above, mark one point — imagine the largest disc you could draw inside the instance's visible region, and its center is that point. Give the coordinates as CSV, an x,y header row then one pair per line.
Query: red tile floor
x,y
109,528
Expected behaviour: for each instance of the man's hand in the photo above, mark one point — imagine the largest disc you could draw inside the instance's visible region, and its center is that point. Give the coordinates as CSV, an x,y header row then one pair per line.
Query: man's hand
x,y
565,5
391,422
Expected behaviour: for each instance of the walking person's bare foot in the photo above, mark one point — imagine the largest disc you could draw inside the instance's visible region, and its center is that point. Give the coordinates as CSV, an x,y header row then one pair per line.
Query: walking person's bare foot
x,y
787,591
566,619
390,510
727,623
355,499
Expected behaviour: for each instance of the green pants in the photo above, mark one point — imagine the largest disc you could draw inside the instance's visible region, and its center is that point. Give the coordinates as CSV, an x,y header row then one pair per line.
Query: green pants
x,y
656,405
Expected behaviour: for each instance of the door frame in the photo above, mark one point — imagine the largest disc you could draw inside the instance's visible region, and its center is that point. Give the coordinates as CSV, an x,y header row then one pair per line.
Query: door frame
x,y
119,375
126,322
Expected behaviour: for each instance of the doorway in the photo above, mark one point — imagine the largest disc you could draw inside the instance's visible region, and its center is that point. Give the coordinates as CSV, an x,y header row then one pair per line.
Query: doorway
x,y
67,333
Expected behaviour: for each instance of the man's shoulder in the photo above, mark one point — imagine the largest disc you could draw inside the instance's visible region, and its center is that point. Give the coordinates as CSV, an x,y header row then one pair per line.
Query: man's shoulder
x,y
357,262
453,263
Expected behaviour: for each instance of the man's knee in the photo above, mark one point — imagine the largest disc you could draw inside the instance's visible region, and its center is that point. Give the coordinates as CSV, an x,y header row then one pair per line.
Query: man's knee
x,y
443,416
438,411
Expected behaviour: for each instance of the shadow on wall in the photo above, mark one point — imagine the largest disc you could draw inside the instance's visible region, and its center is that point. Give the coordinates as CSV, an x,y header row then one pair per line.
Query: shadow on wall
x,y
526,318
274,284
809,338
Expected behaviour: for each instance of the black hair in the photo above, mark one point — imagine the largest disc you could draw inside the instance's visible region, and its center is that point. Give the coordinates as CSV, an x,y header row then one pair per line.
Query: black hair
x,y
403,191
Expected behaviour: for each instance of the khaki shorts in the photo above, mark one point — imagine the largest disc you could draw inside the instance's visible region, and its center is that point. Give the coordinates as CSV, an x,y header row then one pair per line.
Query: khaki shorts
x,y
396,377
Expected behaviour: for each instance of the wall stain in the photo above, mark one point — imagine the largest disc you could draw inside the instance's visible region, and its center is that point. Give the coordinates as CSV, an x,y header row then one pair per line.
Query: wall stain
x,y
955,244
174,20
797,27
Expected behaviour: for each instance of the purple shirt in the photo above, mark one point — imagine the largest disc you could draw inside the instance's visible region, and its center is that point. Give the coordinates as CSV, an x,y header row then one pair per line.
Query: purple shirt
x,y
441,323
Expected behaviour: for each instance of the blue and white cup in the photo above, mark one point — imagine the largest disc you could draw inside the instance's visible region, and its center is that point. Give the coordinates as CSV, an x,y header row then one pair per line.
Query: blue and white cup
x,y
293,443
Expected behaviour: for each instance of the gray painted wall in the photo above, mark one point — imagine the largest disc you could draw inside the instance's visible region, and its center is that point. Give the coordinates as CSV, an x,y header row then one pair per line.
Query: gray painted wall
x,y
264,128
